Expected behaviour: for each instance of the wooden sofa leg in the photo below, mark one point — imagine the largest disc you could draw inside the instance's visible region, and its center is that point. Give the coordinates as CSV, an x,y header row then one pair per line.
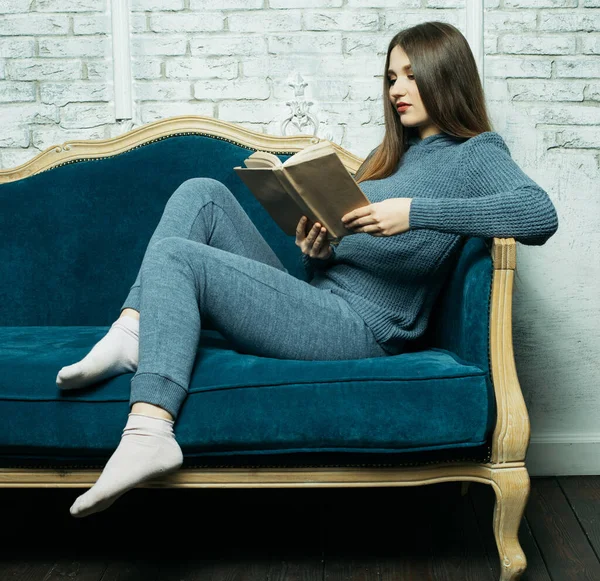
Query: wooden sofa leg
x,y
512,488
464,487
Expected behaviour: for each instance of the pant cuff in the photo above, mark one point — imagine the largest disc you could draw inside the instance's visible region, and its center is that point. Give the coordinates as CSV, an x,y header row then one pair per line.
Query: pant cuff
x,y
157,390
133,299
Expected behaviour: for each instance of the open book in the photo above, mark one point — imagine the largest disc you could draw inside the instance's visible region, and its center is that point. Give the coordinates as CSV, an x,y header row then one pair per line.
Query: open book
x,y
313,183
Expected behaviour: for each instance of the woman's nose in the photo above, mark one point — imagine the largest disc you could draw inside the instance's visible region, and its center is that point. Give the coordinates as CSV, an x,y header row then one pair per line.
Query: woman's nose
x,y
397,91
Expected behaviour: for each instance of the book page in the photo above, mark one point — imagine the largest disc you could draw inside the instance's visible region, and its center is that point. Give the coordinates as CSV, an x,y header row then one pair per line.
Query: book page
x,y
262,159
310,152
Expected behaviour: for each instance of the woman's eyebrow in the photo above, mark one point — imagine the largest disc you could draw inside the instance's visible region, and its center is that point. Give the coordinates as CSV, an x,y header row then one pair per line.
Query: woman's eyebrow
x,y
404,68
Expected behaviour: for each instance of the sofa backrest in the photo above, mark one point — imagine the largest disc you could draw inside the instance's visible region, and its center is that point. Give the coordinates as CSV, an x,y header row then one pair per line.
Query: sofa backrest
x,y
460,317
73,237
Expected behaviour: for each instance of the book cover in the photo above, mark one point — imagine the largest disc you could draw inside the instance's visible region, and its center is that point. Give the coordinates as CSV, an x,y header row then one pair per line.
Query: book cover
x,y
313,183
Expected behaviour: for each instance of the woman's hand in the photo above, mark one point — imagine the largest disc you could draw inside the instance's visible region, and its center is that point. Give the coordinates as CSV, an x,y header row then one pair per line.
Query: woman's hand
x,y
314,244
381,218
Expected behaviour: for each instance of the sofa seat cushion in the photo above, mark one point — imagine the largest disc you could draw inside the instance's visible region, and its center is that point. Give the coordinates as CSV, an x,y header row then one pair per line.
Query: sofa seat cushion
x,y
242,405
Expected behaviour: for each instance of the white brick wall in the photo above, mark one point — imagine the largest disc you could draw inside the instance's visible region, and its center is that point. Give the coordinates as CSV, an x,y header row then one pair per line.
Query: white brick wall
x,y
55,75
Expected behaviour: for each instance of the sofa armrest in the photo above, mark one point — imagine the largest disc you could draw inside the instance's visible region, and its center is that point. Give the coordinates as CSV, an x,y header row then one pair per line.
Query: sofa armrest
x,y
512,433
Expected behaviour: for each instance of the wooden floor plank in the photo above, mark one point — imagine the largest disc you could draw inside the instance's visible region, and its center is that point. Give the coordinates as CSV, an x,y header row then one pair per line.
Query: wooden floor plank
x,y
11,568
189,569
129,569
240,568
583,494
86,568
296,569
564,546
235,566
37,571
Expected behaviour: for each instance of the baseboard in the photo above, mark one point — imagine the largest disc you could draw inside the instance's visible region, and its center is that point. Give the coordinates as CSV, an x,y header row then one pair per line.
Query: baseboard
x,y
563,454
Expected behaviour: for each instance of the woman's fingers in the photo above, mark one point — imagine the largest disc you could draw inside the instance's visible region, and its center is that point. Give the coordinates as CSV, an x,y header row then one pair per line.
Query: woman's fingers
x,y
320,235
301,229
317,234
312,242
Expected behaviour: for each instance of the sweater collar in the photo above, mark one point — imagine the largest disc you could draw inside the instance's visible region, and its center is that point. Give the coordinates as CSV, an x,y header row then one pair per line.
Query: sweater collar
x,y
434,141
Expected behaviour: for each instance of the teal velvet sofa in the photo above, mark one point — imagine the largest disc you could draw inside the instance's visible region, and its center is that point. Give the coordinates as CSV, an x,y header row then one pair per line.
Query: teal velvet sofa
x,y
74,224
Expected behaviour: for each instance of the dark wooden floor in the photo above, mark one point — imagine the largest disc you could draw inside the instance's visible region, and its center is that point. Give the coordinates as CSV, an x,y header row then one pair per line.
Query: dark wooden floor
x,y
417,533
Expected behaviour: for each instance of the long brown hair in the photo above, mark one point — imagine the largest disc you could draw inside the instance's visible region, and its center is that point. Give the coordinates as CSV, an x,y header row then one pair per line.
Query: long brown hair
x,y
449,86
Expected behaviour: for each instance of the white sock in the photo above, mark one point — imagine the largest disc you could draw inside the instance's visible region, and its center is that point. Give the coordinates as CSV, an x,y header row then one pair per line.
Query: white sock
x,y
148,449
117,352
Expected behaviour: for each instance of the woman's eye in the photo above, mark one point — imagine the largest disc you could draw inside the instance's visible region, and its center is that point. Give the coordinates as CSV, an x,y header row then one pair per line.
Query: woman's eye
x,y
392,81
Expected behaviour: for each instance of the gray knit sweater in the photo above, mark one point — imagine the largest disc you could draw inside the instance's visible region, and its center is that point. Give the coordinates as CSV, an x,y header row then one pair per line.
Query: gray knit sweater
x,y
459,188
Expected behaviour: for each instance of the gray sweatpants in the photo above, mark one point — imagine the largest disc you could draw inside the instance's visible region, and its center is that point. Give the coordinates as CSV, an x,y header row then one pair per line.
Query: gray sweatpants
x,y
206,258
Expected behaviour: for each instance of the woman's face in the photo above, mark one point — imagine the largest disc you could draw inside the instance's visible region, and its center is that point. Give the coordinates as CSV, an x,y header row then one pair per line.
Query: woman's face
x,y
403,88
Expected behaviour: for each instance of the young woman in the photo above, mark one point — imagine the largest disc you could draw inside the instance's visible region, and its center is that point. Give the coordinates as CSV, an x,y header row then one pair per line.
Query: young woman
x,y
440,174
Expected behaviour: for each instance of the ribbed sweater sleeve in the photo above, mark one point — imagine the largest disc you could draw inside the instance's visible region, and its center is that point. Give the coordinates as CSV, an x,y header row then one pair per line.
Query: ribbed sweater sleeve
x,y
498,199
